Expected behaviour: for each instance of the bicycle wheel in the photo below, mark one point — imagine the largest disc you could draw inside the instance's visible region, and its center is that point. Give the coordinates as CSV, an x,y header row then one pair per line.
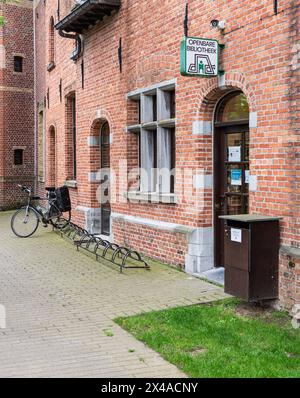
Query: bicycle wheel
x,y
25,222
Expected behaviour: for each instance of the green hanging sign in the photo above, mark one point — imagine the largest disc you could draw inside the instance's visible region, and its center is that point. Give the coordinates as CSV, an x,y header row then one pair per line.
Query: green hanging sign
x,y
199,57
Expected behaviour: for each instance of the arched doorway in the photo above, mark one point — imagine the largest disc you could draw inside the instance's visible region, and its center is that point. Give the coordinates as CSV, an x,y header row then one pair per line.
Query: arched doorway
x,y
231,164
105,178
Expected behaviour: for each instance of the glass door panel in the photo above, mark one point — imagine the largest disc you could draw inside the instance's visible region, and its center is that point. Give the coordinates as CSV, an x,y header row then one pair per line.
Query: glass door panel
x,y
234,204
237,172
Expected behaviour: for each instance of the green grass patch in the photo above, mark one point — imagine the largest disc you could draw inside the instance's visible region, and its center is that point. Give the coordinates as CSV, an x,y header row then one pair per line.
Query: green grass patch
x,y
108,333
215,340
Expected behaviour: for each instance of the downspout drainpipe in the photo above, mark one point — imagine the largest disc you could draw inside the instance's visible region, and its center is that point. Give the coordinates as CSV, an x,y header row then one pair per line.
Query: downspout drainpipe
x,y
78,40
35,104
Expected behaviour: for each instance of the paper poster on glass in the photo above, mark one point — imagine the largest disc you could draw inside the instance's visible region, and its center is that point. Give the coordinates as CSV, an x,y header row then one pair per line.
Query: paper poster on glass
x,y
234,154
253,183
247,176
236,177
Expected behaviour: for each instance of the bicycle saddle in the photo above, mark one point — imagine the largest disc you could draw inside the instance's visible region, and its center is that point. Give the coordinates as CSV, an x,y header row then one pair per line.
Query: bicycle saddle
x,y
50,189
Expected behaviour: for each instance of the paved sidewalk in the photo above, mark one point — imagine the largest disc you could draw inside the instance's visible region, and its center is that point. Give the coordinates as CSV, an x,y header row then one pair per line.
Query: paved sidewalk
x,y
60,307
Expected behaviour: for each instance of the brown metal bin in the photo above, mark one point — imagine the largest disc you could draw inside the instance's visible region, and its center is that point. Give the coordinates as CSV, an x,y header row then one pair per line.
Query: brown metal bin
x,y
251,256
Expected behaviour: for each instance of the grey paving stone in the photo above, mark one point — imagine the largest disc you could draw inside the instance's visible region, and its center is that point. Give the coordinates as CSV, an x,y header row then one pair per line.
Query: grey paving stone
x,y
59,303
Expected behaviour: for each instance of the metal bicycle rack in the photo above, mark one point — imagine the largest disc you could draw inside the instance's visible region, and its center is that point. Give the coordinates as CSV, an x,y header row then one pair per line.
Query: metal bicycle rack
x,y
102,249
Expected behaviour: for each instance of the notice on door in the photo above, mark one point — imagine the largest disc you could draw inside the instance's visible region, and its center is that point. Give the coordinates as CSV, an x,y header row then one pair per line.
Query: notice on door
x,y
236,177
253,183
236,235
247,176
234,154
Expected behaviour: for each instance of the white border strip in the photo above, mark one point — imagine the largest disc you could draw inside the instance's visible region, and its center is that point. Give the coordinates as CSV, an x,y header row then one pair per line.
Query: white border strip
x,y
157,224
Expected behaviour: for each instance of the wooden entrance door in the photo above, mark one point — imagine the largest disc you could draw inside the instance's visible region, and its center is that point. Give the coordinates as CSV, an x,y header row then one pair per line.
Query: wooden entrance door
x,y
231,169
105,192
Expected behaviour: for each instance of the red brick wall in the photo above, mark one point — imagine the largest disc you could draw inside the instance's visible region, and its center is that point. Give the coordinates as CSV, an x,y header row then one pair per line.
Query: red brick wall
x,y
167,247
260,49
17,102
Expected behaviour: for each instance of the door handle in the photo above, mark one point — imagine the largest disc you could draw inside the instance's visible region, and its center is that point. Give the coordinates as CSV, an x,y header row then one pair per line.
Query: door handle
x,y
219,205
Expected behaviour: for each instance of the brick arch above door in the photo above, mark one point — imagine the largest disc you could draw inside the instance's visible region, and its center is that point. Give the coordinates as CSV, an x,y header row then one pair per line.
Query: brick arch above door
x,y
214,89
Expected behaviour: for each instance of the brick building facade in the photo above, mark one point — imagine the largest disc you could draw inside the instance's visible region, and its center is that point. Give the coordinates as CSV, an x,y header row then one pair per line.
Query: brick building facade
x,y
17,101
121,103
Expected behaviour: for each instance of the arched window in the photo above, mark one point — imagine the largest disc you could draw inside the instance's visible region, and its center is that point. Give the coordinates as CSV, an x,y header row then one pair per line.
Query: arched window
x,y
233,107
51,44
51,157
40,144
105,167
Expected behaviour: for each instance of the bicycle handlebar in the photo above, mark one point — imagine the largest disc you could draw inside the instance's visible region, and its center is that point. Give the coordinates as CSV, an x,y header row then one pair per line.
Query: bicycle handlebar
x,y
30,193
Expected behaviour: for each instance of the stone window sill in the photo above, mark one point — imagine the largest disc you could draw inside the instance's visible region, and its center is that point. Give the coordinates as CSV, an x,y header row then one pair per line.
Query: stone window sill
x,y
168,123
71,184
152,197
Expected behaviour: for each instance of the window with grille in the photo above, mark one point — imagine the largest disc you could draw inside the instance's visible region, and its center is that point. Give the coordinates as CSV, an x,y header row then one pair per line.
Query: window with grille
x,y
157,138
71,137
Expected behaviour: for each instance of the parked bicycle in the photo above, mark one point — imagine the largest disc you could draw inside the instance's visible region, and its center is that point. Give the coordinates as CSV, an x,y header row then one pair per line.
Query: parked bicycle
x,y
57,212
